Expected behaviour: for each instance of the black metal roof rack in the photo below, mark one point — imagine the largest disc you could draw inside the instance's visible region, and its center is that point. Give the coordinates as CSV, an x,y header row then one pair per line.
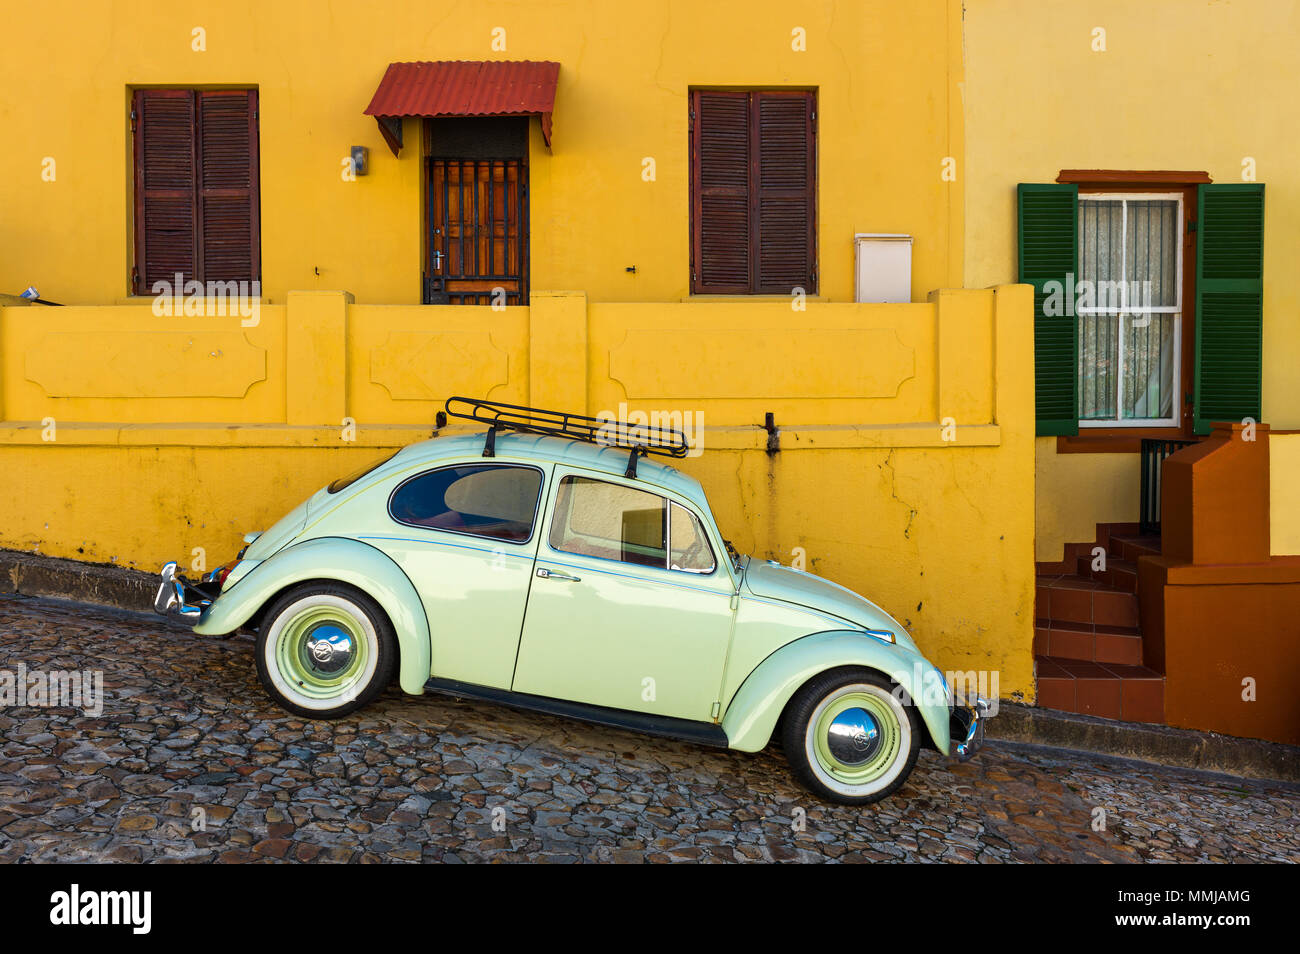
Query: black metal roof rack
x,y
639,439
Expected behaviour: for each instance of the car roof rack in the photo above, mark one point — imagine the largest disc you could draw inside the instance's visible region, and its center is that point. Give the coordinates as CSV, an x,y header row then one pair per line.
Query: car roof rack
x,y
638,439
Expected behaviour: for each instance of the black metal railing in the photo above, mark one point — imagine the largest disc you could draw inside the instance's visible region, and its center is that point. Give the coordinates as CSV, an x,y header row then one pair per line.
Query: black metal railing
x,y
1154,453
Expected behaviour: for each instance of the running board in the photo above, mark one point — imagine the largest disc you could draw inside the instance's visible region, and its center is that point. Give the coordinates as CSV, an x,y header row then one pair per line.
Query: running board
x,y
685,730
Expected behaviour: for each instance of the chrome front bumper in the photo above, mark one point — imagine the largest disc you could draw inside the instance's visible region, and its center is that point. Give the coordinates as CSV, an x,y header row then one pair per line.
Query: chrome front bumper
x,y
966,727
178,596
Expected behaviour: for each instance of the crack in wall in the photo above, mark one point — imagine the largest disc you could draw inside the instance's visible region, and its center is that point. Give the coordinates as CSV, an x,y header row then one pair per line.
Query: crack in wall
x,y
893,492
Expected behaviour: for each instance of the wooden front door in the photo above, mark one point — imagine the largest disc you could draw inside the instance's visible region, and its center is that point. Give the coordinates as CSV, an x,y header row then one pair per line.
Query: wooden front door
x,y
477,249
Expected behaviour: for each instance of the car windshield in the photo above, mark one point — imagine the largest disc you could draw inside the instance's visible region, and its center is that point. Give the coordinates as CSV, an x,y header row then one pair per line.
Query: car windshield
x,y
737,558
352,478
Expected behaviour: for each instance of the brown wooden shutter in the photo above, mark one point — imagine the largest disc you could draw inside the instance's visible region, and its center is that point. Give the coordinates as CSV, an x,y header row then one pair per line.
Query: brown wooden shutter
x,y
165,176
783,193
720,181
229,244
753,192
196,187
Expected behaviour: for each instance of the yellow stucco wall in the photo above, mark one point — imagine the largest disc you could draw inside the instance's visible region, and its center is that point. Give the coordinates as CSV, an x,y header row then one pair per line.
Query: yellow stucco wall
x,y
923,509
888,113
1182,84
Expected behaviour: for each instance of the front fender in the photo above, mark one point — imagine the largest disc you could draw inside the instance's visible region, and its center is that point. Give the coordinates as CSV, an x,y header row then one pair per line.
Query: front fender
x,y
347,561
758,703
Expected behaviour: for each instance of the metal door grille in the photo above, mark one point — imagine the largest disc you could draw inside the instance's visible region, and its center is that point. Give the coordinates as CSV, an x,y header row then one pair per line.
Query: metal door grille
x,y
1154,453
478,231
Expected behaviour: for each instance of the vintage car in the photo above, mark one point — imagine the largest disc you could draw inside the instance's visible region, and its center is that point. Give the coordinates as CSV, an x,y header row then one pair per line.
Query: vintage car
x,y
540,565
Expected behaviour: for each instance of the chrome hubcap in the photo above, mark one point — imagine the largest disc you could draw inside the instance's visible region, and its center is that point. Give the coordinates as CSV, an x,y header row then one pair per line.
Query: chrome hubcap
x,y
328,649
853,737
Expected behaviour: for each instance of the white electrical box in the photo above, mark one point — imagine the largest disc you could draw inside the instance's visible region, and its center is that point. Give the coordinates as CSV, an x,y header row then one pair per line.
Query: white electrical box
x,y
884,267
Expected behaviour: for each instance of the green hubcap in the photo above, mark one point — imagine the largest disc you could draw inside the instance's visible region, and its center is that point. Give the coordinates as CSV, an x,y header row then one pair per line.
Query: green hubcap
x,y
857,738
322,651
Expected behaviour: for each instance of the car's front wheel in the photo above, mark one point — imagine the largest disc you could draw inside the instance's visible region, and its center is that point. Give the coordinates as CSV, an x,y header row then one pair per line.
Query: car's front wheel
x,y
324,650
848,736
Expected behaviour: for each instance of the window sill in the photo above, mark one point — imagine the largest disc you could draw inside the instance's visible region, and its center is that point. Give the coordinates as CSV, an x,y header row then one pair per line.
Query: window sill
x,y
1117,440
148,299
704,296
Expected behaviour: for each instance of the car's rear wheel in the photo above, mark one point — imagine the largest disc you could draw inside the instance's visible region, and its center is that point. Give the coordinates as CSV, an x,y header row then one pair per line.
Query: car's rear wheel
x,y
849,738
325,650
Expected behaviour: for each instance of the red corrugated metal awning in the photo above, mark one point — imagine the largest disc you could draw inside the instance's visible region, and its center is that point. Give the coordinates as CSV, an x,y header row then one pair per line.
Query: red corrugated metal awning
x,y
464,88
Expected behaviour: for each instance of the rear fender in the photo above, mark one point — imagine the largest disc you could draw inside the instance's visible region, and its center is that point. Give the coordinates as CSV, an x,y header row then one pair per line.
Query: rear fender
x,y
347,561
753,712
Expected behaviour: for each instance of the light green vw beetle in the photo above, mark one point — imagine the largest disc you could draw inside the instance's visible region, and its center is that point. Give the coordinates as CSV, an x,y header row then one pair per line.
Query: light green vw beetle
x,y
542,567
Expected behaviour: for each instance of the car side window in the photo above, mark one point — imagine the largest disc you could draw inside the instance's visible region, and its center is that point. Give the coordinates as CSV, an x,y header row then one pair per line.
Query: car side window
x,y
613,522
496,501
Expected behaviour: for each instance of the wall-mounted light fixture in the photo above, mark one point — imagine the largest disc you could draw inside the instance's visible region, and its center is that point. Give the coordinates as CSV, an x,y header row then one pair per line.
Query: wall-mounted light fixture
x,y
360,160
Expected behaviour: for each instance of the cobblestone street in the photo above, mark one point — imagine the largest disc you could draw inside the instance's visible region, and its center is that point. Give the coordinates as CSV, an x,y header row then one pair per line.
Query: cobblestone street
x,y
186,733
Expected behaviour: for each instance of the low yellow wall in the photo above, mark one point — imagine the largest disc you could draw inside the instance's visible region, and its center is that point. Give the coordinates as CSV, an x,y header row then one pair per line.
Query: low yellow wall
x,y
901,471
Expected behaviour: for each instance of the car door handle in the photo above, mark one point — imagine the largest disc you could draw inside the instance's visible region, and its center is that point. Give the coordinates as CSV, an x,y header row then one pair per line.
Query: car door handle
x,y
546,574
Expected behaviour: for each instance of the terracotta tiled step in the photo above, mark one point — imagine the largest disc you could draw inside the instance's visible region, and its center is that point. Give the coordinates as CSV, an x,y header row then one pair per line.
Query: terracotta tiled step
x,y
1106,690
1131,546
1118,573
1077,599
1068,564
1120,541
1103,644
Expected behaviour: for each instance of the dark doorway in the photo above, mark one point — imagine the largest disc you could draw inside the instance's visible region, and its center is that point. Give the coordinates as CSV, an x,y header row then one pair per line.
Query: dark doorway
x,y
476,183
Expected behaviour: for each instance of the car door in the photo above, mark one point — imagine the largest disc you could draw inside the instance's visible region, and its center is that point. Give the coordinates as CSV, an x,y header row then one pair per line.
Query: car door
x,y
466,535
628,606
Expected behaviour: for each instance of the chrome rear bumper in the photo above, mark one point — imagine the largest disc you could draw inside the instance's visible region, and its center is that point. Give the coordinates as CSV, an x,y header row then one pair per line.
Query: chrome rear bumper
x,y
178,596
966,727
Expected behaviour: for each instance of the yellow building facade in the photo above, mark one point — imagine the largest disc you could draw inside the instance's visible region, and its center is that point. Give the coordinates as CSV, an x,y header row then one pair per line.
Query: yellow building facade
x,y
888,446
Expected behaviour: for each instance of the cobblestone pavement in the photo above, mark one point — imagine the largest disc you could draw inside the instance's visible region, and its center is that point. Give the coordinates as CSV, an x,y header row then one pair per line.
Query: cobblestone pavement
x,y
187,732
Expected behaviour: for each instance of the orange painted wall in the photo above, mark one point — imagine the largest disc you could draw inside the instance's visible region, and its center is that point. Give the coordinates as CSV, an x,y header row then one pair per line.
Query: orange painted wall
x,y
1222,634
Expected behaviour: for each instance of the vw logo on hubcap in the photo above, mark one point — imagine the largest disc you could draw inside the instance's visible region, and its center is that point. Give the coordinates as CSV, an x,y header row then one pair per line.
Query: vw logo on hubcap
x,y
853,737
329,648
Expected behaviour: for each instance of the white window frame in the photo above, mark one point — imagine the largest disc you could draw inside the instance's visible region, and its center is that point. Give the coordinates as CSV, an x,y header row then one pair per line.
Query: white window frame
x,y
1123,311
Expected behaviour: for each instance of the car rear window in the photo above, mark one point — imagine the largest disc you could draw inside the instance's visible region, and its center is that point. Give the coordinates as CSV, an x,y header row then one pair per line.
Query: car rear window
x,y
352,478
497,501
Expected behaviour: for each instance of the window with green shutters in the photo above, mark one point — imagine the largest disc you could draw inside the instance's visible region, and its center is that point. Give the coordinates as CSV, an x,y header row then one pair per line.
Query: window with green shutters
x,y
1229,303
1096,350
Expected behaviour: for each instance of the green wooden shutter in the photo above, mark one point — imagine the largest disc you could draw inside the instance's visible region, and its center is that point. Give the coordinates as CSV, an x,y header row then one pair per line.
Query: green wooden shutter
x,y
1229,303
1049,252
